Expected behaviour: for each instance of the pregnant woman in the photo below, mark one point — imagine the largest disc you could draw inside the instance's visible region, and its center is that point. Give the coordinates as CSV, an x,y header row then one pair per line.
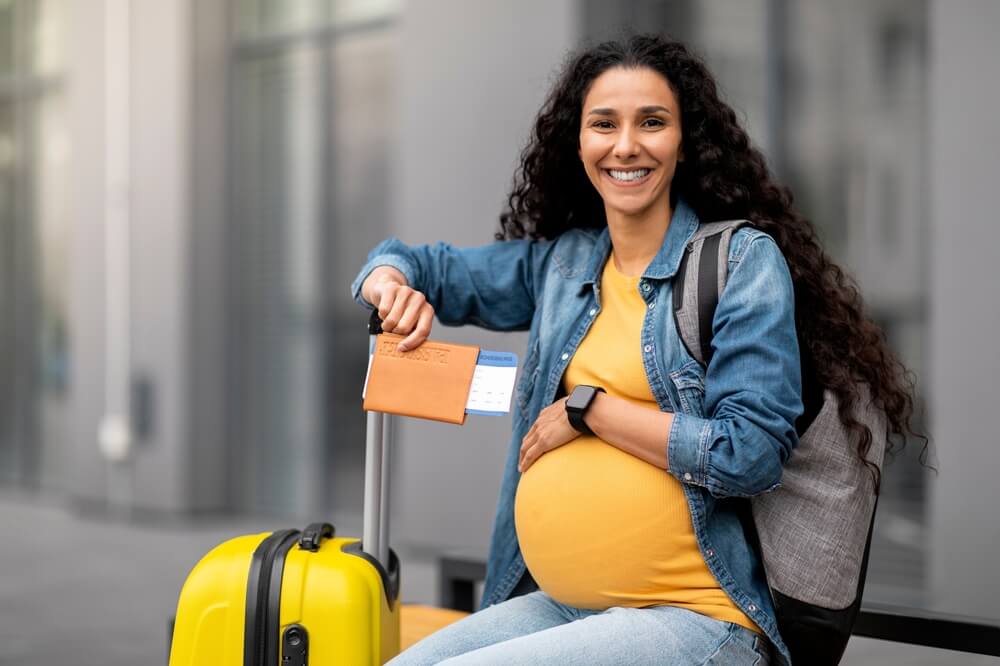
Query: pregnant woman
x,y
617,537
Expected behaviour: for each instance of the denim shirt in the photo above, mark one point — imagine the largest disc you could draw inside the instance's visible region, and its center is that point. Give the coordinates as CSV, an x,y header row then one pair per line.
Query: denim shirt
x,y
734,424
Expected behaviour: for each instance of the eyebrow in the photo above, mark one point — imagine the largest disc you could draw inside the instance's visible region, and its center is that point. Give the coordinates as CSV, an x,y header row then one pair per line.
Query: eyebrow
x,y
645,110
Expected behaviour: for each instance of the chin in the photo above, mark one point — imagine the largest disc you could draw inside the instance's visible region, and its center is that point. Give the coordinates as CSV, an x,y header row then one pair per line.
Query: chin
x,y
630,209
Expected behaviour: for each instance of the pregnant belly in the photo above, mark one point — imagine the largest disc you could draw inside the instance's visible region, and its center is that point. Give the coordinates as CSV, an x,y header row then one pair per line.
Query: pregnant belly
x,y
599,527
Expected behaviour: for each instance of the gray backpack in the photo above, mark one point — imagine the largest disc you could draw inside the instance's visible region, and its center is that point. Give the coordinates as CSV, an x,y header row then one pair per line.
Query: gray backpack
x,y
815,529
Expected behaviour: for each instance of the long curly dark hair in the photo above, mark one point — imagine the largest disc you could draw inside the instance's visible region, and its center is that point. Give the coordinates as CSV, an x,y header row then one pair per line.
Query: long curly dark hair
x,y
723,177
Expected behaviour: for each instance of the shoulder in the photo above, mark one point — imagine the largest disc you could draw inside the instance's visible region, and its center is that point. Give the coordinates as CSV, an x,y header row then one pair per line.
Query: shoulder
x,y
755,243
757,268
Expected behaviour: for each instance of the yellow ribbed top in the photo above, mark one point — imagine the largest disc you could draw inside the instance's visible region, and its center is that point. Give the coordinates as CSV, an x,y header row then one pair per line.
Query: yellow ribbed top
x,y
599,527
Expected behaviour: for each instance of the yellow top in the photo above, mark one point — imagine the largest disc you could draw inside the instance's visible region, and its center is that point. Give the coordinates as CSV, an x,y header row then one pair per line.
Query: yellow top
x,y
599,527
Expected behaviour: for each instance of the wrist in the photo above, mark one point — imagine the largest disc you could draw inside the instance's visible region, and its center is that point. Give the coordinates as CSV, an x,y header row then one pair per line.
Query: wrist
x,y
594,418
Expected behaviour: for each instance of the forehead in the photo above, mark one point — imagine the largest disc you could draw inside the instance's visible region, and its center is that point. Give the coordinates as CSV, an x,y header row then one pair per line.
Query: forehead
x,y
622,88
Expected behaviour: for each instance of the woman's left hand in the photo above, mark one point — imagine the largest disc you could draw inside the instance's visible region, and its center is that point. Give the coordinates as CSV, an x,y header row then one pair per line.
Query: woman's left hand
x,y
550,431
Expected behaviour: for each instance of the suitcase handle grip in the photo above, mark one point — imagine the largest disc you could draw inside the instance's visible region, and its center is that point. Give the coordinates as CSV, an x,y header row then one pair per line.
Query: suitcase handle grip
x,y
374,323
314,534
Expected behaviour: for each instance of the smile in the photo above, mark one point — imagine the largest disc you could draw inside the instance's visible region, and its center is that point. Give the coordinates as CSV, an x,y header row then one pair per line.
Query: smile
x,y
628,176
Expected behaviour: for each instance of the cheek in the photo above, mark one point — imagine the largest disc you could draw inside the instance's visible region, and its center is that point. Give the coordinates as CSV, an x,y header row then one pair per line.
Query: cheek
x,y
668,150
589,156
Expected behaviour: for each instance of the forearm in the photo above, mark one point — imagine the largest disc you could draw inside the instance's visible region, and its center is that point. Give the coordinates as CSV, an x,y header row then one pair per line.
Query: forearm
x,y
491,286
637,430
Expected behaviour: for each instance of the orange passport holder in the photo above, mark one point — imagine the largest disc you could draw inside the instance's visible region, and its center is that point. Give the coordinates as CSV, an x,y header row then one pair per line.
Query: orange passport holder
x,y
429,382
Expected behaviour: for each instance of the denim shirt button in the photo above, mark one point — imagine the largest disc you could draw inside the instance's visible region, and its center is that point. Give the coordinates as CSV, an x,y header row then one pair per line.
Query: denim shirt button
x,y
648,348
687,476
565,356
752,608
709,553
652,305
593,311
645,286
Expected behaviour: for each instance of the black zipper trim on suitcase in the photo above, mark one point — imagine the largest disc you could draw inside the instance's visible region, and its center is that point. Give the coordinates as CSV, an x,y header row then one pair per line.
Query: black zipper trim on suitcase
x,y
260,646
390,578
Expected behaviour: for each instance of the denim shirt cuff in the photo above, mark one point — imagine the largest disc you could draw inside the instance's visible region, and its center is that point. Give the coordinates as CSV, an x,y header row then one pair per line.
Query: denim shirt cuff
x,y
400,263
687,448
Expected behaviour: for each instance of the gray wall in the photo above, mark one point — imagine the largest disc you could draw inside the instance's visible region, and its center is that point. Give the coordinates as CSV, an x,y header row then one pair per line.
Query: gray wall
x,y
160,117
175,244
86,282
965,316
205,270
473,75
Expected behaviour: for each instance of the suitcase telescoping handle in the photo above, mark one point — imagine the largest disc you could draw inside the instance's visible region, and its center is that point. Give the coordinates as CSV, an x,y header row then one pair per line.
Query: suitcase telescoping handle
x,y
375,535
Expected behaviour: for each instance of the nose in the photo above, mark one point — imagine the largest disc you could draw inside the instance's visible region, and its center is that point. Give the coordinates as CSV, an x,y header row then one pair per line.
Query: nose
x,y
626,145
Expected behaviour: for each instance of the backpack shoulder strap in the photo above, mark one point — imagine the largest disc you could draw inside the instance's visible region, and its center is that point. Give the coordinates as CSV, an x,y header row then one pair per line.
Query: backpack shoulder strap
x,y
700,280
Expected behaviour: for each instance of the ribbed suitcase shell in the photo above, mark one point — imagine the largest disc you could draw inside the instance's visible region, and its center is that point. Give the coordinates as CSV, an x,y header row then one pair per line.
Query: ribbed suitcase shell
x,y
337,596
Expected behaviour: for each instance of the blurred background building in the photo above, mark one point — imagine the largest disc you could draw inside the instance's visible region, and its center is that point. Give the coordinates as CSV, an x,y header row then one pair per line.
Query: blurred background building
x,y
188,187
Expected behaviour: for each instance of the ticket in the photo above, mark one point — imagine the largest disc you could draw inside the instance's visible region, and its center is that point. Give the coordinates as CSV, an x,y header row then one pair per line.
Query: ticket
x,y
492,383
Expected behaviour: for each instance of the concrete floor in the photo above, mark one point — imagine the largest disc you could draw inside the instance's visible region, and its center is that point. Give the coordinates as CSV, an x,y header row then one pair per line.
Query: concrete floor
x,y
92,591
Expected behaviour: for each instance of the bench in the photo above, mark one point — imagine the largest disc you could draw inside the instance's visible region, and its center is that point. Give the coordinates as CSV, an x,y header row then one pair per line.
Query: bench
x,y
459,577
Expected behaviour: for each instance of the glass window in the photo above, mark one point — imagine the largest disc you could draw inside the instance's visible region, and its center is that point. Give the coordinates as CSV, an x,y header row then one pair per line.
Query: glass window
x,y
309,150
34,154
258,18
10,294
271,18
347,11
8,30
44,37
277,223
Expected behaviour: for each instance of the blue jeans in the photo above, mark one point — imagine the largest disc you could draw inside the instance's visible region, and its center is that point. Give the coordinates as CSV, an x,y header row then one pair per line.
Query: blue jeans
x,y
535,629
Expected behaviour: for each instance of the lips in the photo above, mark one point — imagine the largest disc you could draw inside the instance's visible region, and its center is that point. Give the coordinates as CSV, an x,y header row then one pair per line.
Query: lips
x,y
628,177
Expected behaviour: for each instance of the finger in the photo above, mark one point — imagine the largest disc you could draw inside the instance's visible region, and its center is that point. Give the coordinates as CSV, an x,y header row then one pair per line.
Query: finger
x,y
526,445
422,330
386,293
535,447
411,313
390,322
531,455
526,442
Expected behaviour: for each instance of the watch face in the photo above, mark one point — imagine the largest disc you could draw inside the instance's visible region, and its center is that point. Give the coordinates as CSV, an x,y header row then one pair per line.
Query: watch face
x,y
580,397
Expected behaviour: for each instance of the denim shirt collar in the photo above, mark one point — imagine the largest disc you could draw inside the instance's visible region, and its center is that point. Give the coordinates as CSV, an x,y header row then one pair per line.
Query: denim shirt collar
x,y
664,265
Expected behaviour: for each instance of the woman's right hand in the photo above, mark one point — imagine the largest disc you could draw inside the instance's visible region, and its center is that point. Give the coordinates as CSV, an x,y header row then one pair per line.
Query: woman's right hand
x,y
403,310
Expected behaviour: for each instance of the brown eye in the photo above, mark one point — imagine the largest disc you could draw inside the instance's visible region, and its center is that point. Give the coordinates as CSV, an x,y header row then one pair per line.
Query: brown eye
x,y
653,122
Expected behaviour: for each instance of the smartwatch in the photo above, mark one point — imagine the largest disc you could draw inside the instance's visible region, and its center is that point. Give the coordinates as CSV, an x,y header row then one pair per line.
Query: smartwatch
x,y
578,403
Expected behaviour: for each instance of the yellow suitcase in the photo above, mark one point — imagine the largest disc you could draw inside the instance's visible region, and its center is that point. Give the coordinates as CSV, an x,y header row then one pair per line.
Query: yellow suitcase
x,y
291,598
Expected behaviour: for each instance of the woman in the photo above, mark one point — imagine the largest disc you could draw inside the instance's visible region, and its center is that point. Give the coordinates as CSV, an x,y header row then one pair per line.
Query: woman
x,y
628,462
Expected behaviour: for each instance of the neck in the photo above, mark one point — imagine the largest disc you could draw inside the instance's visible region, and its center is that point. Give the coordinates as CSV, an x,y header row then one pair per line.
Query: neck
x,y
636,239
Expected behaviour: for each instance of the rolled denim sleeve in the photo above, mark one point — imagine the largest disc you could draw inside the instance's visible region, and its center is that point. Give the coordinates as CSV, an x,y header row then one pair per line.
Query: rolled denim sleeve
x,y
492,286
753,388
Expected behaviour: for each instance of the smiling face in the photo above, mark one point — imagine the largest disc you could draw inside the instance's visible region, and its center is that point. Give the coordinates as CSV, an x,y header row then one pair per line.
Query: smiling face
x,y
630,142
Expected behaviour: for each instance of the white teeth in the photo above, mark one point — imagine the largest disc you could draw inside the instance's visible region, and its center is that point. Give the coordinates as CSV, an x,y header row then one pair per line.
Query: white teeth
x,y
628,175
